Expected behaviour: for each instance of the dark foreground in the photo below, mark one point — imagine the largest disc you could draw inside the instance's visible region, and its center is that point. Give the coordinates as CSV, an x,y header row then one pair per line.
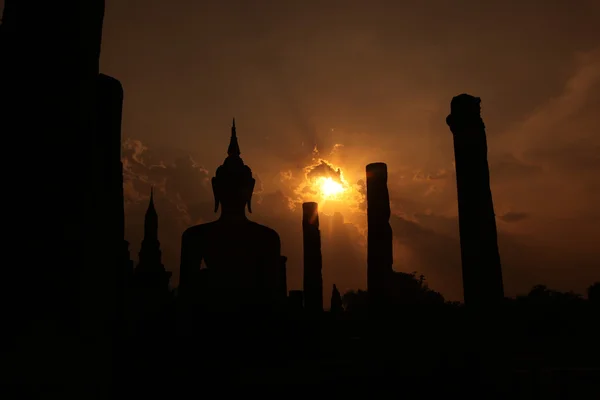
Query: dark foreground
x,y
499,355
491,356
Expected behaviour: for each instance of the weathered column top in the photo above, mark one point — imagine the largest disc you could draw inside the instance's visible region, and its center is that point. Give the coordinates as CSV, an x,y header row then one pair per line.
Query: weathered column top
x,y
464,111
377,169
113,83
310,213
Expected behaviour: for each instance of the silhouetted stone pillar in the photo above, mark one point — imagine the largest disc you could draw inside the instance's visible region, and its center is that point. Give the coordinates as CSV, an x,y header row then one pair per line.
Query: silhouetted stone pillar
x,y
50,64
380,240
313,279
482,272
110,111
118,263
296,301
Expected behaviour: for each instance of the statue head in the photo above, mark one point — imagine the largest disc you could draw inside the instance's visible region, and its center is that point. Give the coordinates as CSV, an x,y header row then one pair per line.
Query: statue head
x,y
233,183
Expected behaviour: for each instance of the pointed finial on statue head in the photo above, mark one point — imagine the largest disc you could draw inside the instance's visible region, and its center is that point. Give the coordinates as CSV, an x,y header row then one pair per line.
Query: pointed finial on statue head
x,y
234,148
233,181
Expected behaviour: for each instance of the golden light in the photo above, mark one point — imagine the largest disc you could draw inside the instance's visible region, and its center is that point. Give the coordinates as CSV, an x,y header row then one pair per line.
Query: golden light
x,y
325,183
329,188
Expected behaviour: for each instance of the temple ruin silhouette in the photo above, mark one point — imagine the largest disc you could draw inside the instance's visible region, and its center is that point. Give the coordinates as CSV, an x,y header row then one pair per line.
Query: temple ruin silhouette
x,y
79,313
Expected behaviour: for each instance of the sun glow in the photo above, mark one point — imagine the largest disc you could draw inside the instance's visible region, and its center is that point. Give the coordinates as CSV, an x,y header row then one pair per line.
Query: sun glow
x,y
326,184
329,188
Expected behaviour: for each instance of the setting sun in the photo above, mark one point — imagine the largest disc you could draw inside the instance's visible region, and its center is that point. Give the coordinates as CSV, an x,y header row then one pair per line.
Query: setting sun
x,y
329,188
325,183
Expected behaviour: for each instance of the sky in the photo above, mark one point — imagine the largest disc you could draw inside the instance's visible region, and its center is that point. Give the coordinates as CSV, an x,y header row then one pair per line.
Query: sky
x,y
367,81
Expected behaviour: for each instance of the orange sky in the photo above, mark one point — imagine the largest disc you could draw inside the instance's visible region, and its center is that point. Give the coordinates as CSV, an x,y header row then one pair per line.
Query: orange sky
x,y
376,77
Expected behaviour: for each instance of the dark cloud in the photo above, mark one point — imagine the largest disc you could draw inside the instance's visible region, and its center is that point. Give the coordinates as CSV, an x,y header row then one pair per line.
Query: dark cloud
x,y
513,216
430,245
578,157
441,224
344,255
182,197
435,255
402,203
507,167
325,170
441,174
258,187
190,183
274,203
361,187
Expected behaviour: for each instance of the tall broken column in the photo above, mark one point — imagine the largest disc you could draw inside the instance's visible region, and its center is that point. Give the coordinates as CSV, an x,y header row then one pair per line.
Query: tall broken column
x,y
481,269
110,208
313,263
50,63
379,240
110,109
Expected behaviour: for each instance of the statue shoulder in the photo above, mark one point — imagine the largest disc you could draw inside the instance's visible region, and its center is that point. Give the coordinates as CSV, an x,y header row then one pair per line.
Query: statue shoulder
x,y
198,231
267,233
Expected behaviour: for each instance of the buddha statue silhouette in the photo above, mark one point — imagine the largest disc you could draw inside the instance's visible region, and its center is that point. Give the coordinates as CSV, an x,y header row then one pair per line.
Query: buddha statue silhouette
x,y
244,267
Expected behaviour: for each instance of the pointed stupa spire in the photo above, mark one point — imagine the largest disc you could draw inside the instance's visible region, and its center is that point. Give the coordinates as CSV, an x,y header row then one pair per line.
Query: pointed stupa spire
x,y
234,148
151,209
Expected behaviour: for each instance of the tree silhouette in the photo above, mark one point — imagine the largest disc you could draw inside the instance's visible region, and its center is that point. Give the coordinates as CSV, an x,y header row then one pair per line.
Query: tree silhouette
x,y
355,301
404,289
408,289
542,295
593,293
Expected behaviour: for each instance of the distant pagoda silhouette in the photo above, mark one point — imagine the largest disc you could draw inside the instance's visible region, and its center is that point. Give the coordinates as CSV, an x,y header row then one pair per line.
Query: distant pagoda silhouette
x,y
150,273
